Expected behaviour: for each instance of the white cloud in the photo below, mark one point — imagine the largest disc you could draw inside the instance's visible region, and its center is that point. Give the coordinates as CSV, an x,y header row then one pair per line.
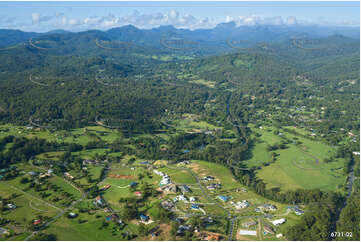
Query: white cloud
x,y
257,20
291,20
35,17
147,20
72,21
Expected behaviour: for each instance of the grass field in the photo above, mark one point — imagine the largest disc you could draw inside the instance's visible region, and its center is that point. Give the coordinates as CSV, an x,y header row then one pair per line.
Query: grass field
x,y
259,155
298,166
70,229
28,207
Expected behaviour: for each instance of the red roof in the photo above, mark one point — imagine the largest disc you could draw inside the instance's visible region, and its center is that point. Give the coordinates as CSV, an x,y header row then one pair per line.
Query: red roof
x,y
37,221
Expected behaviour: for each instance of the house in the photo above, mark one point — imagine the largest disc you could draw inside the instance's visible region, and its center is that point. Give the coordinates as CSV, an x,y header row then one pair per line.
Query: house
x,y
180,198
11,206
185,189
350,134
182,228
106,187
99,201
72,215
213,186
213,237
208,220
268,229
170,188
356,153
295,209
278,222
133,184
185,162
43,175
194,206
298,211
143,217
249,224
279,236
192,199
144,163
32,173
168,205
247,232
158,172
208,178
223,198
67,175
242,204
37,221
243,189
137,193
268,207
4,232
165,181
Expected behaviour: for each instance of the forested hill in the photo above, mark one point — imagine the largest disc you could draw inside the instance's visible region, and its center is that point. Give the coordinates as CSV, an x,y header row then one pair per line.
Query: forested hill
x,y
80,76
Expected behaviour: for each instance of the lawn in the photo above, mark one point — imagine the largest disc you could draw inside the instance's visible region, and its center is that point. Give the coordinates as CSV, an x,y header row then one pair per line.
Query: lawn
x,y
259,155
28,207
70,229
295,169
220,172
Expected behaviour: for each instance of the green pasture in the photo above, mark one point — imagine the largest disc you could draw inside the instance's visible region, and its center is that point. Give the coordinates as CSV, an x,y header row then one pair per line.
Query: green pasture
x,y
295,169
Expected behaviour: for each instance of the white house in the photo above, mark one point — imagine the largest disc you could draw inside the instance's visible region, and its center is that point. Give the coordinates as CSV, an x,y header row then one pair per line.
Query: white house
x,y
242,204
247,232
279,221
180,198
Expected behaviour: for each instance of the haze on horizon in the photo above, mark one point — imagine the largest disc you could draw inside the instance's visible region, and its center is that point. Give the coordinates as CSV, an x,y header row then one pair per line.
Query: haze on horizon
x,y
80,16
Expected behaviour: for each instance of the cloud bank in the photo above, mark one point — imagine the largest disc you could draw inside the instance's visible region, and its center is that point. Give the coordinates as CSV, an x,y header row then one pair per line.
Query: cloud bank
x,y
41,22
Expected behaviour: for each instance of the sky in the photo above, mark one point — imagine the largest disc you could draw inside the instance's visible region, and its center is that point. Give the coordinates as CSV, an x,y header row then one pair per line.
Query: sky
x,y
79,16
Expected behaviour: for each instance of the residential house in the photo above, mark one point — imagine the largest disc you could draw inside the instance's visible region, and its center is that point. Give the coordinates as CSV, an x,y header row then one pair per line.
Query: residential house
x,y
170,188
133,184
249,224
144,218
11,206
247,232
106,187
182,228
214,186
72,215
278,222
99,201
208,178
268,229
194,206
180,198
242,204
67,175
137,193
267,207
4,232
223,198
184,189
37,221
192,199
168,205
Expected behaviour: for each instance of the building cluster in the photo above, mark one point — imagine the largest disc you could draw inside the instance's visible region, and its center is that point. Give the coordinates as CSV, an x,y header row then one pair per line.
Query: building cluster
x,y
295,209
241,204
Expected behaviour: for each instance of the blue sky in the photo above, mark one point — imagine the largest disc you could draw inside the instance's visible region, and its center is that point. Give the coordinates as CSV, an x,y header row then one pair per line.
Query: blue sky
x,y
76,16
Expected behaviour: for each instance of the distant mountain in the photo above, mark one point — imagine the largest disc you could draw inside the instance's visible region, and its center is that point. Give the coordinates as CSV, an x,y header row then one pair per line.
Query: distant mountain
x,y
208,41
